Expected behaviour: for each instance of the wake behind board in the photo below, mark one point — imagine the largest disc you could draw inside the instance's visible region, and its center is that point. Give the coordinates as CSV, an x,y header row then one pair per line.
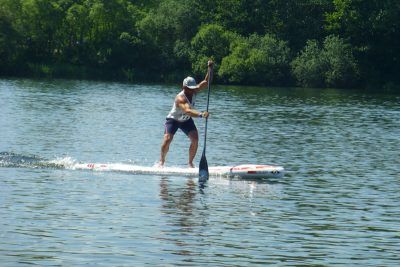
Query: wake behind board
x,y
248,171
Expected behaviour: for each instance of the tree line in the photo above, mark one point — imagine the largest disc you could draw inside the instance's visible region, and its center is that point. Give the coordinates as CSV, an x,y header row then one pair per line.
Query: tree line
x,y
310,43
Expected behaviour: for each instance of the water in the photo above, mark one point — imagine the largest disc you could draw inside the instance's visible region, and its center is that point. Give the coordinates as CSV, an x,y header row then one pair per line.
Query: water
x,y
338,204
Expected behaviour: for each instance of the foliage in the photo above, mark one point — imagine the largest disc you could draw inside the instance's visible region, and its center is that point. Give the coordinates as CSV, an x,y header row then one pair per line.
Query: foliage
x,y
342,43
164,32
373,30
341,66
308,67
260,59
333,65
211,42
8,42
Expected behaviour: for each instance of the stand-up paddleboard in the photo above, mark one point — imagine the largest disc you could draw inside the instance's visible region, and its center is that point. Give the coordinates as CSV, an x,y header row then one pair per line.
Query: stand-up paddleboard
x,y
248,171
9,159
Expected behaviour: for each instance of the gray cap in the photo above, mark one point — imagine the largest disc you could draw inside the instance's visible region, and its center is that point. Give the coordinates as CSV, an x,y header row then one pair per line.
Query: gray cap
x,y
190,82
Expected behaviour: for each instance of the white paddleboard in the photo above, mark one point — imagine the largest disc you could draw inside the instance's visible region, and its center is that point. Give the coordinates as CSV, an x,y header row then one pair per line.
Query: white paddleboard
x,y
241,171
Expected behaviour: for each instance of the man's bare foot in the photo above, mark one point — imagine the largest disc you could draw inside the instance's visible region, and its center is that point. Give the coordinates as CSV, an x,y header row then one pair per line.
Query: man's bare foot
x,y
191,165
159,164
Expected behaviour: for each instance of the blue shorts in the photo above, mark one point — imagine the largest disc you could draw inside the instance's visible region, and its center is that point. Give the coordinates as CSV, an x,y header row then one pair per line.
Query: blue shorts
x,y
171,126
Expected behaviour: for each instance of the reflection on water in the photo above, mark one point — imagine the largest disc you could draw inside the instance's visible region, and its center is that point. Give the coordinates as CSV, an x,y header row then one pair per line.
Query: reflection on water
x,y
179,202
177,207
338,203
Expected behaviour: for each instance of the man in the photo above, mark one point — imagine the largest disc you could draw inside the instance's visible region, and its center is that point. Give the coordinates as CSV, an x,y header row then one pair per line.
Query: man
x,y
180,117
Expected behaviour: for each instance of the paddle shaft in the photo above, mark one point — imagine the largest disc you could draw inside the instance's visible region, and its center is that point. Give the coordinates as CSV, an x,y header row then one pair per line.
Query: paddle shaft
x,y
203,168
208,102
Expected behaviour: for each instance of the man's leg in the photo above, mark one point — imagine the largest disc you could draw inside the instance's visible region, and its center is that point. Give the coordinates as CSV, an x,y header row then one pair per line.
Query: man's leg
x,y
171,126
194,143
165,147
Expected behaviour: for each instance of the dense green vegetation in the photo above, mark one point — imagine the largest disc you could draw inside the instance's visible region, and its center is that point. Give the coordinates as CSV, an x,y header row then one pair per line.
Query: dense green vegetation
x,y
318,43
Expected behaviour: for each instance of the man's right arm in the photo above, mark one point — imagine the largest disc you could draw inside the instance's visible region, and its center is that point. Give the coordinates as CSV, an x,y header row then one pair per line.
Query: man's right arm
x,y
184,105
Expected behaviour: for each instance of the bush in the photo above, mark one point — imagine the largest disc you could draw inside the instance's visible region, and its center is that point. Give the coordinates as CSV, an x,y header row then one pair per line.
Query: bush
x,y
211,41
332,66
256,60
164,32
341,70
9,40
308,67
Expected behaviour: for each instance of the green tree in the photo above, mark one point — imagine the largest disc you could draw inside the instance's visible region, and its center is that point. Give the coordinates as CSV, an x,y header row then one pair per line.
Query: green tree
x,y
108,20
308,67
256,60
9,39
332,65
341,69
211,42
241,16
297,21
373,29
292,20
40,21
76,33
166,32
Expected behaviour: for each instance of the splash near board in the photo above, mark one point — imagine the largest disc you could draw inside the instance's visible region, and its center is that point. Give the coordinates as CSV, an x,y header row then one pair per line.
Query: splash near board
x,y
248,171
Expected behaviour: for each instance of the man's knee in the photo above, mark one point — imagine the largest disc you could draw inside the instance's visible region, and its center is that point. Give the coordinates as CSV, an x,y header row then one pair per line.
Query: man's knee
x,y
168,138
194,137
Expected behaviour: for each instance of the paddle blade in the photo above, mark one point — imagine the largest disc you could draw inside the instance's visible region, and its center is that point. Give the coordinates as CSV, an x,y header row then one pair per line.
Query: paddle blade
x,y
203,169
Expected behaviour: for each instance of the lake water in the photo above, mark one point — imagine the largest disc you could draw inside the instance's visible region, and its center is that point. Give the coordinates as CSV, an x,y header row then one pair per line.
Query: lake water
x,y
338,203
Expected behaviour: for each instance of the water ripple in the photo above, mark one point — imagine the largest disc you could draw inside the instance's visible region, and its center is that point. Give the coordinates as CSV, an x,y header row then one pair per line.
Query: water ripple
x,y
338,203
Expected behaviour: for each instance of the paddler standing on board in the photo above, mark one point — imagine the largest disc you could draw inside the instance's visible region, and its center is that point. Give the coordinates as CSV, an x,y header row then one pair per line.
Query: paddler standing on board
x,y
180,117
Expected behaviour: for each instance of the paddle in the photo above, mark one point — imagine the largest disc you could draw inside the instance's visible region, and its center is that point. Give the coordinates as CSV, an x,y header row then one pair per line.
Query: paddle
x,y
203,167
